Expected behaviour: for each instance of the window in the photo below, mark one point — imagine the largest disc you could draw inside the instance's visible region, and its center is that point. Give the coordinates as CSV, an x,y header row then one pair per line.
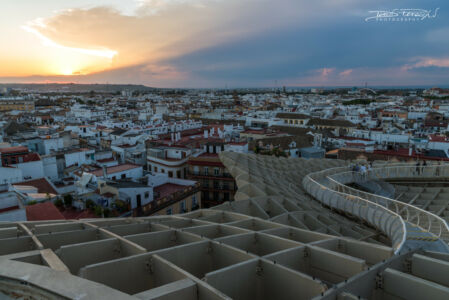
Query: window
x,y
114,178
178,174
123,176
147,195
170,174
162,171
216,196
226,197
196,170
155,169
194,201
206,171
182,206
206,196
216,171
139,200
169,211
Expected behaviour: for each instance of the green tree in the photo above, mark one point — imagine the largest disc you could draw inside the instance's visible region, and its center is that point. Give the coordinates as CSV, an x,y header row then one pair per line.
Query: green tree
x,y
90,203
358,101
68,199
58,202
120,206
32,202
98,210
106,212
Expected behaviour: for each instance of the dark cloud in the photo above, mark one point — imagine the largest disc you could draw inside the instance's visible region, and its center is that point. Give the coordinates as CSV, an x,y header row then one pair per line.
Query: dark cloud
x,y
258,42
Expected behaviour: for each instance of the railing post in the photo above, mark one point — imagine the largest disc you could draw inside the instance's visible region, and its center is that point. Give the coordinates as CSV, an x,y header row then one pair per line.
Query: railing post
x,y
417,223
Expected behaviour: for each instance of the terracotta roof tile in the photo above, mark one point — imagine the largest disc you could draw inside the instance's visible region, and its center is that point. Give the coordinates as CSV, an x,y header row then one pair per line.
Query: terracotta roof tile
x,y
115,169
168,189
42,185
14,149
43,211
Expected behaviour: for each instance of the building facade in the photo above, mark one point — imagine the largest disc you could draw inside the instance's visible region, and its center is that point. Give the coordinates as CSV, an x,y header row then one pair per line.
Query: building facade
x,y
174,199
217,185
7,104
169,160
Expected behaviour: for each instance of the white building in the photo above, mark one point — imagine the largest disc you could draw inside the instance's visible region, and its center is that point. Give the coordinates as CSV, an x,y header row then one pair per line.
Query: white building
x,y
124,171
78,157
169,160
12,208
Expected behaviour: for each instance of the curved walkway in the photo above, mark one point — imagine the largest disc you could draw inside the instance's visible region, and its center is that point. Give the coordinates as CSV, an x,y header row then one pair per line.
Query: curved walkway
x,y
407,226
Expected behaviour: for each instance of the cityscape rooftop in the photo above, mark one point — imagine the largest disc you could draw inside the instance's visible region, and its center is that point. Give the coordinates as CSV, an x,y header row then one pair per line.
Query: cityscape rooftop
x,y
238,149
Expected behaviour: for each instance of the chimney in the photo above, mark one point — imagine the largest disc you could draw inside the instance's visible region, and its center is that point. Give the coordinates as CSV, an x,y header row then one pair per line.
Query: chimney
x,y
105,172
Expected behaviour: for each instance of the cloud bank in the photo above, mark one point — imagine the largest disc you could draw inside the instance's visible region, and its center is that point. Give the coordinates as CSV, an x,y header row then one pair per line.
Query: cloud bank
x,y
210,43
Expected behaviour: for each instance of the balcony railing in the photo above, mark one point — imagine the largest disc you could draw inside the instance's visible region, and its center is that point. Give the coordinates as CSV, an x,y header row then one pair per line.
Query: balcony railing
x,y
210,174
158,204
167,161
218,188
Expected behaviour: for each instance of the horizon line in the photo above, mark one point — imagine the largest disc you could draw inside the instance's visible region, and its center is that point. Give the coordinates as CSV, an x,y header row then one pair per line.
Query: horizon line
x,y
240,87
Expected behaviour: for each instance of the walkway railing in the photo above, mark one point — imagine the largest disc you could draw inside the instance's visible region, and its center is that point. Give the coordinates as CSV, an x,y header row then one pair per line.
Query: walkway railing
x,y
375,214
416,216
329,187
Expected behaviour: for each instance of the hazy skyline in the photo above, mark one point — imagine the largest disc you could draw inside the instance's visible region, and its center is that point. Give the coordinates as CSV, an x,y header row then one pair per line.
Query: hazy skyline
x,y
213,43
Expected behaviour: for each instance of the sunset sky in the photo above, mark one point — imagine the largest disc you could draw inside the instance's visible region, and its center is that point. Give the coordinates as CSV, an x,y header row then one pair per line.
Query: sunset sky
x,y
218,43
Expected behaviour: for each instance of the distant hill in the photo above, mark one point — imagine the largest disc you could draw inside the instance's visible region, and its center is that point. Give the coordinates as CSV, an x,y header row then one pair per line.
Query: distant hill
x,y
74,87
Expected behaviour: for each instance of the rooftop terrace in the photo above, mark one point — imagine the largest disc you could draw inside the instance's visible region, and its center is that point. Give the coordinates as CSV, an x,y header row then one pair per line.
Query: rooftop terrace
x,y
274,242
